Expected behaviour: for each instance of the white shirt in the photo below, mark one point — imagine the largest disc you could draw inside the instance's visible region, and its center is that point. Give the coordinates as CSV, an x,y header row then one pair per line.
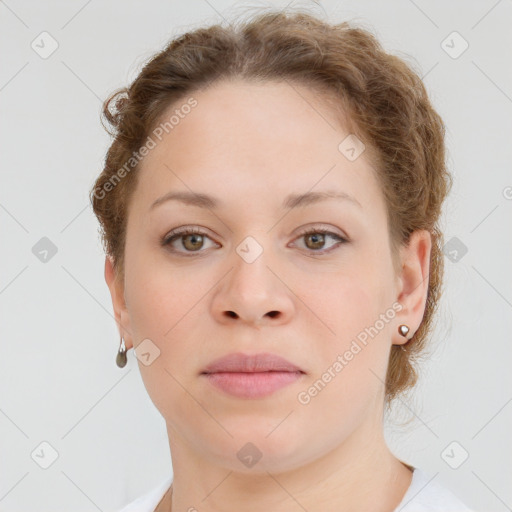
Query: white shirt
x,y
421,496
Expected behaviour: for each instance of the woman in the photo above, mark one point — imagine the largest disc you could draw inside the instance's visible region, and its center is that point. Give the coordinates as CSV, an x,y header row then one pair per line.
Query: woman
x,y
269,209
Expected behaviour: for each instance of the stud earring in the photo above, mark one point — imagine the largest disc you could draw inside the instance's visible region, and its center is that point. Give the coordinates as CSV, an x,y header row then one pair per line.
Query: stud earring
x,y
403,330
121,355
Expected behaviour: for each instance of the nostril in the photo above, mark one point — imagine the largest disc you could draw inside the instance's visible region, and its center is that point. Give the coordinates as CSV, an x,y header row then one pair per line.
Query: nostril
x,y
232,314
272,314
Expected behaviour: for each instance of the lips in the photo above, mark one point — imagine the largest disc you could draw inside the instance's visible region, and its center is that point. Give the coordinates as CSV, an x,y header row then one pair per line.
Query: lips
x,y
252,363
255,376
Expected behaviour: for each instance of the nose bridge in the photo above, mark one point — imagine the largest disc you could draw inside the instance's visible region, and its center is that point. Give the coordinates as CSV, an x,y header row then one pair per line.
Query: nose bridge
x,y
252,290
251,276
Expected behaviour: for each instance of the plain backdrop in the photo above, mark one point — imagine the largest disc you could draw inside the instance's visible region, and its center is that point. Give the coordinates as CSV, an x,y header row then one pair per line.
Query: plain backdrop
x,y
65,404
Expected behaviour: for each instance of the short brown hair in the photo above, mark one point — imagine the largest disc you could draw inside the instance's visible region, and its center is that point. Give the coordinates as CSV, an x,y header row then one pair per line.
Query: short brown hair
x,y
386,105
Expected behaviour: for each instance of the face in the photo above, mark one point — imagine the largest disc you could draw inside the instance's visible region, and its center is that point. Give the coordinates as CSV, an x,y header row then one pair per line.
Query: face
x,y
249,280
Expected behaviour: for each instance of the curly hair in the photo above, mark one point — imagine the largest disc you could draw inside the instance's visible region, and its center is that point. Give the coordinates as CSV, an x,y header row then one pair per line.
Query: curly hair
x,y
381,97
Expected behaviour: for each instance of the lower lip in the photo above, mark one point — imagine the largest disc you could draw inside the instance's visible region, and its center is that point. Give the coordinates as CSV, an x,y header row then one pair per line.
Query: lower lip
x,y
252,385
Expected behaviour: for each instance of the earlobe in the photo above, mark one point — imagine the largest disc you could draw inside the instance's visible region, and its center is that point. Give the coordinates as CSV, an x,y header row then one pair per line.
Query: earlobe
x,y
414,279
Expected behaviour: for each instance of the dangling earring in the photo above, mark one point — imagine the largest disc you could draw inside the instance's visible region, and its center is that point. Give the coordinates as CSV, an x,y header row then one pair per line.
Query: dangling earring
x,y
121,355
403,330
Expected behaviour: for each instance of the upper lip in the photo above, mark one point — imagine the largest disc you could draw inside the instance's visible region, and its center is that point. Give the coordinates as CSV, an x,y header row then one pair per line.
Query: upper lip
x,y
239,362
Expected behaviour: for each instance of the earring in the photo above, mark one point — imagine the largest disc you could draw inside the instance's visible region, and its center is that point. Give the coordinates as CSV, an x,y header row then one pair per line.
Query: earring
x,y
121,355
403,330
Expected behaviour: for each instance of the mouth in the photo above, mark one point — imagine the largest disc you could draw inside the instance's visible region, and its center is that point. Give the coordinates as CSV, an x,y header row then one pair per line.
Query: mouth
x,y
252,363
251,385
251,376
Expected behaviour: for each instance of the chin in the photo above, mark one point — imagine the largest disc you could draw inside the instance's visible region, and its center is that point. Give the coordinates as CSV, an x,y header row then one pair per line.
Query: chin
x,y
263,449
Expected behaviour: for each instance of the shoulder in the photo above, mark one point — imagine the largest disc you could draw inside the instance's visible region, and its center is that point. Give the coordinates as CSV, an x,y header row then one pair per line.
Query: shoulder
x,y
148,501
426,494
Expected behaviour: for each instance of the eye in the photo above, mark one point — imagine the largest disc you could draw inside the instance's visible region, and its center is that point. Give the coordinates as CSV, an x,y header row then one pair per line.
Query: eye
x,y
316,238
191,239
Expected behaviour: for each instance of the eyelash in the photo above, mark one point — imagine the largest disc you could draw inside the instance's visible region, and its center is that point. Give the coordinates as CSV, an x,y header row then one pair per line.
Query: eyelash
x,y
177,233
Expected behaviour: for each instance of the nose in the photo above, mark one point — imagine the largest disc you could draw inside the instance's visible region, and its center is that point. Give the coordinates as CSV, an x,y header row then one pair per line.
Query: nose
x,y
253,293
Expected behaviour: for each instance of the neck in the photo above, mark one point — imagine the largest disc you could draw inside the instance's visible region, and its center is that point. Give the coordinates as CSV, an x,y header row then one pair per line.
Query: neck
x,y
346,478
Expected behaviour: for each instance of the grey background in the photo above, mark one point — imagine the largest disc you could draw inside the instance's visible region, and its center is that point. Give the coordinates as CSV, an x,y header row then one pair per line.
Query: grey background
x,y
58,379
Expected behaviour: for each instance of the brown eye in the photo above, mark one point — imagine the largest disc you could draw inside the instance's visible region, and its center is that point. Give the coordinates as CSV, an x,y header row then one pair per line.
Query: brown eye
x,y
317,240
187,241
192,242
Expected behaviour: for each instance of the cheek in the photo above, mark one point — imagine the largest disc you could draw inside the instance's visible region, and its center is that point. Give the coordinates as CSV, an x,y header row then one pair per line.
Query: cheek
x,y
167,305
350,369
354,338
158,295
344,303
161,309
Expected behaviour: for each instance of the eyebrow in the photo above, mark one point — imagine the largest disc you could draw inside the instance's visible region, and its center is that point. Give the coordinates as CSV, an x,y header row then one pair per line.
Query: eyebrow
x,y
291,201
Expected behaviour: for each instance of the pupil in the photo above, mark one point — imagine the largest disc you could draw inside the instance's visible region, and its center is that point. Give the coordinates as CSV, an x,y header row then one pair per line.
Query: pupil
x,y
196,243
318,239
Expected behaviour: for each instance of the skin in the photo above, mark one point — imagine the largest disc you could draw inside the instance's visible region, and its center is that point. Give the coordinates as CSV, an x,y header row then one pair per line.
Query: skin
x,y
250,145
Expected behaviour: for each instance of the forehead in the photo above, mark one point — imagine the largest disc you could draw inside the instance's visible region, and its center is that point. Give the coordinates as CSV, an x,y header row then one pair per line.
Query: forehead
x,y
253,139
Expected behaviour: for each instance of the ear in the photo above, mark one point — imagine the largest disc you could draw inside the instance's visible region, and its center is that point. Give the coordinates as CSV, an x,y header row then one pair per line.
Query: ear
x,y
116,287
413,283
